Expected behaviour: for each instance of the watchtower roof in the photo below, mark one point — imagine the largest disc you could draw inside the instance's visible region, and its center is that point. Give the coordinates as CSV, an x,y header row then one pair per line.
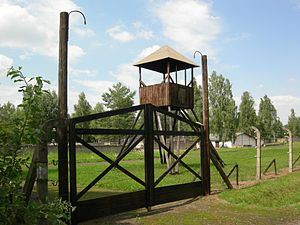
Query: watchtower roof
x,y
158,60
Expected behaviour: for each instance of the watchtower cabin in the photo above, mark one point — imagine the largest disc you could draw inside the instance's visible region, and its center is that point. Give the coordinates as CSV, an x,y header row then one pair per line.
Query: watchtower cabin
x,y
170,92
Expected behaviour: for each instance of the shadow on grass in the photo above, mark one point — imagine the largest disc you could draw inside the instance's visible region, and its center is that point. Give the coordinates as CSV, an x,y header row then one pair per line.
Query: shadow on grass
x,y
122,217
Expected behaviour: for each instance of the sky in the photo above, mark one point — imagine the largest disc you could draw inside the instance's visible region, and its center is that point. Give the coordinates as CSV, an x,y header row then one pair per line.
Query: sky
x,y
253,43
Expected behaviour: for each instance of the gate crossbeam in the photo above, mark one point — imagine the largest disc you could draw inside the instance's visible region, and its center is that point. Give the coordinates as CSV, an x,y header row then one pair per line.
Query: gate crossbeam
x,y
132,127
125,146
107,159
109,168
178,159
186,116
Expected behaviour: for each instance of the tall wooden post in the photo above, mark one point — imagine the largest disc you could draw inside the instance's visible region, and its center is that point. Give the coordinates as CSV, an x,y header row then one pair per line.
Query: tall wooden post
x,y
149,157
258,153
205,159
63,106
290,149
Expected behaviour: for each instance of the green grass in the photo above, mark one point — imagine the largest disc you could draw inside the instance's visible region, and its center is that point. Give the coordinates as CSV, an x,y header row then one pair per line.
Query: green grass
x,y
280,192
89,166
273,201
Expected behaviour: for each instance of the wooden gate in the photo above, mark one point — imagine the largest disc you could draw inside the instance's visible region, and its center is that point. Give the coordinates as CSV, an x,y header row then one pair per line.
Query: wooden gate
x,y
144,130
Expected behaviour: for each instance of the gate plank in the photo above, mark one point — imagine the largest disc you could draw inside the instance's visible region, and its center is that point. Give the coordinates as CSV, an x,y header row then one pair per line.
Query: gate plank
x,y
98,207
177,192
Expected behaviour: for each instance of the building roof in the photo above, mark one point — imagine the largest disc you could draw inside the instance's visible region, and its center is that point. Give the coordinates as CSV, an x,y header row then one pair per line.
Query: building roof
x,y
157,61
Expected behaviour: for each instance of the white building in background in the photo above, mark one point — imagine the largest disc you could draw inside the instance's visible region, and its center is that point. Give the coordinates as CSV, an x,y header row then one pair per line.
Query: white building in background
x,y
245,140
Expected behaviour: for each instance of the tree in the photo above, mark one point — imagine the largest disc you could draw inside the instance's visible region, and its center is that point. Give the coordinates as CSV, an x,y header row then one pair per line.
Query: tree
x,y
83,108
48,105
99,123
198,103
294,123
267,118
119,97
8,123
278,131
98,108
223,112
26,118
247,114
22,127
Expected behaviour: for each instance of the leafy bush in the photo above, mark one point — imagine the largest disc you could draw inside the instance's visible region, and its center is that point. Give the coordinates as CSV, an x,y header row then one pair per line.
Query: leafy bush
x,y
13,132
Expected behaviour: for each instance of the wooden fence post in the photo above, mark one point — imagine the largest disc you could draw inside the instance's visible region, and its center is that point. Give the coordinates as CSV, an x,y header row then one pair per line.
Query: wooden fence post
x,y
63,106
42,171
149,155
258,153
290,149
205,164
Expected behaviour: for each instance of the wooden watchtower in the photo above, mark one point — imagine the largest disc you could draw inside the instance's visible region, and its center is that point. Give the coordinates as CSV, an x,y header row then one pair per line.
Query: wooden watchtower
x,y
168,93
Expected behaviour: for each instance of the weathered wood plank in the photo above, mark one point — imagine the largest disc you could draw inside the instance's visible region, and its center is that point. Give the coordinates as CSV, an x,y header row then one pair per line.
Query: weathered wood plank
x,y
95,208
168,94
177,192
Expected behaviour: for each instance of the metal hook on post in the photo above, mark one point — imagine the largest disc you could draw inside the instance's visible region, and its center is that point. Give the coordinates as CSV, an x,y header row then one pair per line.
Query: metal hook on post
x,y
197,52
74,11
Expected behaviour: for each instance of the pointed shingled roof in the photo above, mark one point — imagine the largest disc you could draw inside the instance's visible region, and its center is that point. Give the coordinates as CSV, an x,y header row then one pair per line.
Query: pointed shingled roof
x,y
157,61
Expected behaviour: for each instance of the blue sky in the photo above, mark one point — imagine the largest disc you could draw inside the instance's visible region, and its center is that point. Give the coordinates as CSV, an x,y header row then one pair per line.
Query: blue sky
x,y
256,44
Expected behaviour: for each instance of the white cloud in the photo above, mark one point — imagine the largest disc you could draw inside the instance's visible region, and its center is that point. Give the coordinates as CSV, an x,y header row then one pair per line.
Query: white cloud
x,y
83,32
144,34
33,25
93,91
10,94
147,51
95,85
117,33
81,72
284,104
285,100
128,74
75,52
189,23
5,64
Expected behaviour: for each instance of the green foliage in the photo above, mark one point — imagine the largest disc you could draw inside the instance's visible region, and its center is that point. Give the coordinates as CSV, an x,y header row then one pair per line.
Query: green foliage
x,y
98,108
247,115
268,122
223,112
55,212
198,102
10,119
294,123
18,126
83,107
118,97
29,122
12,207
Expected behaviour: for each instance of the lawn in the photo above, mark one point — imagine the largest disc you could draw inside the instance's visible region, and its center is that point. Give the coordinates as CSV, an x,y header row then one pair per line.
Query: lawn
x,y
90,165
274,201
